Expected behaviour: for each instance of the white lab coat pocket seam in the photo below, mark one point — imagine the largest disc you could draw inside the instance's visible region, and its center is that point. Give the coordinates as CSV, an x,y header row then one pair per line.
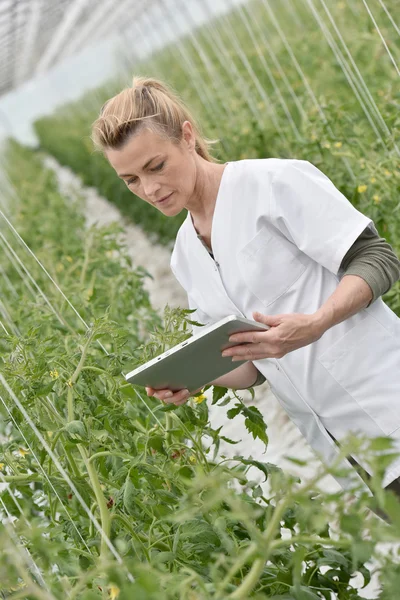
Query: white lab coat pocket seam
x,y
368,377
270,266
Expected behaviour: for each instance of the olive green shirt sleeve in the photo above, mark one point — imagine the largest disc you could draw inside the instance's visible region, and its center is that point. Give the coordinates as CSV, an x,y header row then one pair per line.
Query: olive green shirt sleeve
x,y
373,259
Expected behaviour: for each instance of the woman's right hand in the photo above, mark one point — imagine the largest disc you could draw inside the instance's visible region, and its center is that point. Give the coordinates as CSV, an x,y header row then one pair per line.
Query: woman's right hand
x,y
169,397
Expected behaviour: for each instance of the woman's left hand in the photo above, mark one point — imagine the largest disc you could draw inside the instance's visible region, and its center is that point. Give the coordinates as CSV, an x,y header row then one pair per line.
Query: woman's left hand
x,y
287,332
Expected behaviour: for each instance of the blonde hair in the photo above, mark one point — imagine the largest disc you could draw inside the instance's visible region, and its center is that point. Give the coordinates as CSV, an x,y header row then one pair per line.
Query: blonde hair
x,y
149,104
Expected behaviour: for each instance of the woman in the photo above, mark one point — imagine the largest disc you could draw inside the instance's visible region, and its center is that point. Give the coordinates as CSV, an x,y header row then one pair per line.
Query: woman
x,y
273,240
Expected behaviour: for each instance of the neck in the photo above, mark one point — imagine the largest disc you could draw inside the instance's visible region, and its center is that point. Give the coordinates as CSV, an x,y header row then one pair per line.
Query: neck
x,y
202,203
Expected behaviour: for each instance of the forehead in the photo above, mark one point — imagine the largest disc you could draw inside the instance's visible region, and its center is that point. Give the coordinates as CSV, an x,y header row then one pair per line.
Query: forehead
x,y
139,149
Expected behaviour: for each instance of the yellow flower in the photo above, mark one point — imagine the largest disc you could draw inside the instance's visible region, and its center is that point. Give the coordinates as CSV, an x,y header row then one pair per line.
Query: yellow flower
x,y
361,188
338,144
22,451
69,258
192,459
388,173
372,180
114,592
200,399
69,383
326,145
1,466
59,267
50,434
54,374
376,199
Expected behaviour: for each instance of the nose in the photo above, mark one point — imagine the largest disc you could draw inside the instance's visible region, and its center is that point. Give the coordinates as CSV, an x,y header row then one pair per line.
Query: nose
x,y
150,189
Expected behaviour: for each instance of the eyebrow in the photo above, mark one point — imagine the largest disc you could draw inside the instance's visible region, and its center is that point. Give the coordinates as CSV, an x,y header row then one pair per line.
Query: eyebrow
x,y
144,166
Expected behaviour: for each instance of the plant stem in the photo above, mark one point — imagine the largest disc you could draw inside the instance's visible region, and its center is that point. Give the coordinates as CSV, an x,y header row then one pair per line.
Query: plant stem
x,y
101,501
240,562
309,539
26,478
168,427
88,244
109,453
138,537
253,576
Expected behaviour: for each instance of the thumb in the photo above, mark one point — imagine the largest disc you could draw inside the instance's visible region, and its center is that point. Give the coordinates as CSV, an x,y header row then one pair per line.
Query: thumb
x,y
271,320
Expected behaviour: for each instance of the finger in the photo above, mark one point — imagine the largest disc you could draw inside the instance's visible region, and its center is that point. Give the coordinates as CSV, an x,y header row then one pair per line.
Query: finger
x,y
178,396
245,352
252,337
183,401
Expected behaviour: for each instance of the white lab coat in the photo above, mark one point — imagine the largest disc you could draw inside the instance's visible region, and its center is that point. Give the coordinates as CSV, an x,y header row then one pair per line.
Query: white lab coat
x,y
279,233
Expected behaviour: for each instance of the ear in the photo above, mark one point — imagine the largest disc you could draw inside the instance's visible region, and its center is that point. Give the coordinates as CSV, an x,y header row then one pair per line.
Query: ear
x,y
188,135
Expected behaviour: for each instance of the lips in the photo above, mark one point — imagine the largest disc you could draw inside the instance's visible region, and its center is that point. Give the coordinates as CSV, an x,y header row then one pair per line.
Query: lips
x,y
164,199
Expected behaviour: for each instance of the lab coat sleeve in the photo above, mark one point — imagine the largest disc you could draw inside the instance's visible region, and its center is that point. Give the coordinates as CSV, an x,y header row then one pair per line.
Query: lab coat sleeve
x,y
311,212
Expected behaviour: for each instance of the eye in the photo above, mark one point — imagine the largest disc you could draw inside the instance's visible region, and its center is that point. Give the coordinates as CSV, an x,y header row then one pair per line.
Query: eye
x,y
157,168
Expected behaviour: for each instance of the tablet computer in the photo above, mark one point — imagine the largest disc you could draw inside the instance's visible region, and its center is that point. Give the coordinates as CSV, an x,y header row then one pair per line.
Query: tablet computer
x,y
197,361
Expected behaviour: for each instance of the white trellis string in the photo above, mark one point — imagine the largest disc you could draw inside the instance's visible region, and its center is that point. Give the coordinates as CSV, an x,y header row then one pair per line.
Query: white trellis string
x,y
253,77
44,473
358,88
10,286
215,80
15,264
6,317
66,476
344,67
230,67
362,81
195,77
9,516
246,14
382,38
198,82
5,330
305,82
15,232
389,15
32,451
20,548
64,296
16,257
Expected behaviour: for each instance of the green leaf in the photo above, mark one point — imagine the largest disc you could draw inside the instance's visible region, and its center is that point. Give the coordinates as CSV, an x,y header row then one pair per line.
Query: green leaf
x,y
77,427
228,440
157,443
162,557
232,412
129,496
303,593
43,390
225,402
381,443
218,393
266,468
255,423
